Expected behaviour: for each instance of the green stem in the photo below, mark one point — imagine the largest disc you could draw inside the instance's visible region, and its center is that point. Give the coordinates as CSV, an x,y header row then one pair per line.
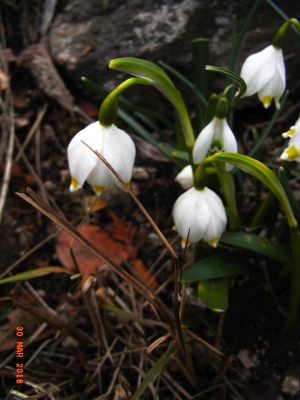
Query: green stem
x,y
160,80
228,186
283,32
109,107
264,206
200,49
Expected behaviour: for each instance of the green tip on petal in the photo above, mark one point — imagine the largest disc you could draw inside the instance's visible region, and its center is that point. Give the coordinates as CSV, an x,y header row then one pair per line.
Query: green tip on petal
x,y
98,189
185,243
290,153
74,184
214,242
267,101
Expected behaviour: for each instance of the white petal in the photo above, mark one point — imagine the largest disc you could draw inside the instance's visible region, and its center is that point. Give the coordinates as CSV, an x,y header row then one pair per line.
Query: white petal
x,y
81,159
264,73
203,142
201,214
229,143
119,150
256,69
185,178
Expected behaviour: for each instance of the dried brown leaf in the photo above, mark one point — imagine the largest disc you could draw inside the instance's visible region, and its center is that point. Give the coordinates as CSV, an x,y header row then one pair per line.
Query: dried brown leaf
x,y
87,262
36,58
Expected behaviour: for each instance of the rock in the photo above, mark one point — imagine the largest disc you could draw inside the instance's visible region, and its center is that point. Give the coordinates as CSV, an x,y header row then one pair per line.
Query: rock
x,y
85,36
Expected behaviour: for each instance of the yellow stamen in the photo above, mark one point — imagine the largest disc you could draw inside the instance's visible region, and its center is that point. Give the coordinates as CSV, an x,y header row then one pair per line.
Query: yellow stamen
x,y
98,189
185,243
292,153
74,183
267,101
214,242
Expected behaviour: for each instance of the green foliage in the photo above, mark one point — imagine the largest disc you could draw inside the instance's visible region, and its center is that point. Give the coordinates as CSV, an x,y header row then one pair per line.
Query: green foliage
x,y
212,272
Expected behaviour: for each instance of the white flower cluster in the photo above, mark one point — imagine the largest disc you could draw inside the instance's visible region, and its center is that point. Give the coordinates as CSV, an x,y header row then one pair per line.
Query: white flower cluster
x,y
198,213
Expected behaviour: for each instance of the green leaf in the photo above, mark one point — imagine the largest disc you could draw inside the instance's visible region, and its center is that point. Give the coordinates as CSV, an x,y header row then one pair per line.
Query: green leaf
x,y
34,273
181,155
160,80
155,370
233,76
121,312
217,266
289,192
258,244
146,69
262,173
190,318
214,294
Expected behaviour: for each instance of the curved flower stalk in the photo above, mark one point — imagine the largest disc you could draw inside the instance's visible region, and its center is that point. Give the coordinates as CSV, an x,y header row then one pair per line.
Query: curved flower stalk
x,y
199,214
264,74
114,144
215,137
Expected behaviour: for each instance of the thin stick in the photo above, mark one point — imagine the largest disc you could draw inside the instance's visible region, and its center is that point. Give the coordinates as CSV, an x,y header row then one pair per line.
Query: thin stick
x,y
32,131
7,125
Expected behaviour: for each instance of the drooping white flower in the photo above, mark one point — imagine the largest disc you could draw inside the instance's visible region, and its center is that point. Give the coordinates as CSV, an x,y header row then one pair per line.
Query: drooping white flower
x,y
292,153
294,130
216,136
185,178
114,144
199,214
264,74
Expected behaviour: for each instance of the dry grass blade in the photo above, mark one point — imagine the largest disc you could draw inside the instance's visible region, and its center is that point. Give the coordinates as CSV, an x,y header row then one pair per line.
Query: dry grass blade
x,y
142,208
8,131
32,198
52,320
161,236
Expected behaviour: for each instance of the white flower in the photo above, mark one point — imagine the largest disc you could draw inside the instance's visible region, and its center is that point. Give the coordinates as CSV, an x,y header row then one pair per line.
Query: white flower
x,y
199,214
264,74
185,178
292,153
216,136
116,147
294,130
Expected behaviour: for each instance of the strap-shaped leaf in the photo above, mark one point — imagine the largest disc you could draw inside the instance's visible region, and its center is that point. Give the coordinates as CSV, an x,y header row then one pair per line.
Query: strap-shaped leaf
x,y
214,294
259,245
157,76
262,173
217,266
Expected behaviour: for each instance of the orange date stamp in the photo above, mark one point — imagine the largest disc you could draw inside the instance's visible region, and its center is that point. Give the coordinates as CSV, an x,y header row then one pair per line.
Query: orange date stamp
x,y
19,354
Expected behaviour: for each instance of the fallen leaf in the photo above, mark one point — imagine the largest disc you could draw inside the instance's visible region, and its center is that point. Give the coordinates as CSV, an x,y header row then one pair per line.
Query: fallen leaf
x,y
16,317
97,202
36,58
142,271
86,261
